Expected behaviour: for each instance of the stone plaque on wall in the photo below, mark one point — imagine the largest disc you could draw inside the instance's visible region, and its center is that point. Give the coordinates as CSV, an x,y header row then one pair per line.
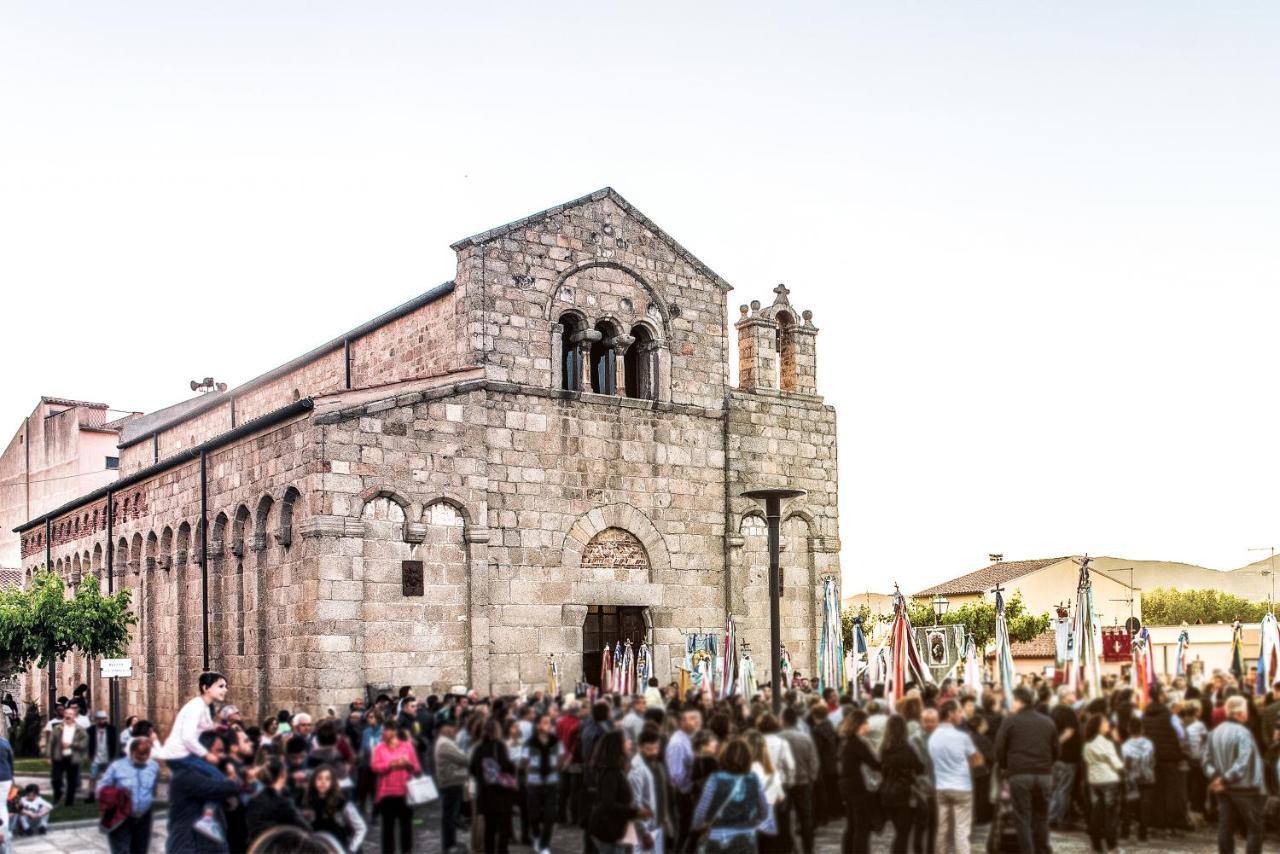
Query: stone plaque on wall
x,y
411,583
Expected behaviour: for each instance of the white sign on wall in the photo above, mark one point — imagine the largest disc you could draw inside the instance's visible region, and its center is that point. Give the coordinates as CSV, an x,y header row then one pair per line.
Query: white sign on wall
x,y
112,667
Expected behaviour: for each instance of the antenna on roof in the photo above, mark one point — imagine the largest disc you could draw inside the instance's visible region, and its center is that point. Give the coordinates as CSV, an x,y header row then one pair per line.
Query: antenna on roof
x,y
995,558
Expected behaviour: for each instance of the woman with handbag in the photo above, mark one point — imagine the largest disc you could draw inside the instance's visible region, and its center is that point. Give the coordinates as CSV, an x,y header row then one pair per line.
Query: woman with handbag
x,y
496,786
611,825
394,763
732,805
856,757
900,766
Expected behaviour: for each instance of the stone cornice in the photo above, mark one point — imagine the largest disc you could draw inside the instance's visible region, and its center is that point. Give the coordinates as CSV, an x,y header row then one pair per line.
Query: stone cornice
x,y
498,387
331,526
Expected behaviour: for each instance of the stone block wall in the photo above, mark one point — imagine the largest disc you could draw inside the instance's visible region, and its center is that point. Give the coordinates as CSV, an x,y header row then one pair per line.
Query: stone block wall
x,y
261,604
601,258
778,438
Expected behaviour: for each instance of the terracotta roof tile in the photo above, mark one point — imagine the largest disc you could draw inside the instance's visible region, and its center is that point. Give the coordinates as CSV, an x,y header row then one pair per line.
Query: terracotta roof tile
x,y
1041,646
984,579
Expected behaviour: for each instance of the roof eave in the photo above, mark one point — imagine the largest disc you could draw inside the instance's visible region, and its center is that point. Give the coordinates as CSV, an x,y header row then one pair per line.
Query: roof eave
x,y
213,400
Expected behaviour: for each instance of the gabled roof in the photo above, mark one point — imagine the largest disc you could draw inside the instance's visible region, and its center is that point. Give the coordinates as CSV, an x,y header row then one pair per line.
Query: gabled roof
x,y
602,193
984,579
66,401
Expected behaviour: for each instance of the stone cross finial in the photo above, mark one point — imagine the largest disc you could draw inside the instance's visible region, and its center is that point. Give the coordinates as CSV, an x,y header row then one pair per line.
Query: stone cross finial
x,y
782,292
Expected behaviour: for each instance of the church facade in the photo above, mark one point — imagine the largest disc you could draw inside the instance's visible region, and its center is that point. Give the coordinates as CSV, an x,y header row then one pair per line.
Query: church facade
x,y
541,455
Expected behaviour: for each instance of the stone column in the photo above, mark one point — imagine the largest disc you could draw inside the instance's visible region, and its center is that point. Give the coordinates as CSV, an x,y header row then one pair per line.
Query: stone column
x,y
181,614
650,381
257,626
478,609
584,339
329,642
571,619
806,356
557,355
757,355
662,375
619,344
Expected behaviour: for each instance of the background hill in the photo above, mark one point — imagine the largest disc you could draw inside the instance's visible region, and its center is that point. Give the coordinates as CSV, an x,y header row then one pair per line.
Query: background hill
x,y
1247,581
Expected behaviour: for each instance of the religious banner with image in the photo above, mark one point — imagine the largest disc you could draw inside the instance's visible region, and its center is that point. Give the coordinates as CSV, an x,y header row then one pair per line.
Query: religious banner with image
x,y
941,647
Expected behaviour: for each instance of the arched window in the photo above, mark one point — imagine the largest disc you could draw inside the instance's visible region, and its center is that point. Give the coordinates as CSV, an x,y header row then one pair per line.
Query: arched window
x,y
640,364
571,356
785,343
604,362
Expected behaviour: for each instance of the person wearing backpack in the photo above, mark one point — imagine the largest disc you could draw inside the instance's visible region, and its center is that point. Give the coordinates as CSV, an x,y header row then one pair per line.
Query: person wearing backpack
x,y
1139,756
732,804
496,785
900,766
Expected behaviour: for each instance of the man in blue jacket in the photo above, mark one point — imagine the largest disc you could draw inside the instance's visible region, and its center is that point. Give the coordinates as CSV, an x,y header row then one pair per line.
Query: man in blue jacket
x,y
136,774
196,792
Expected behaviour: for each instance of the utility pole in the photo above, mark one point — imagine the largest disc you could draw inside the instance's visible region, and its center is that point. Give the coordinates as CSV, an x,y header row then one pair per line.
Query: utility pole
x,y
1271,571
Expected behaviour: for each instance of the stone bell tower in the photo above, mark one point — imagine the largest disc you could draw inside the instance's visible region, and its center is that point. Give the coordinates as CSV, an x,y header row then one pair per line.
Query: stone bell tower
x,y
776,349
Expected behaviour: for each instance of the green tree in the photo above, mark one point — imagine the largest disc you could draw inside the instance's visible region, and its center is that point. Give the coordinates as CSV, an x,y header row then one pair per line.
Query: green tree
x,y
40,624
979,619
1165,606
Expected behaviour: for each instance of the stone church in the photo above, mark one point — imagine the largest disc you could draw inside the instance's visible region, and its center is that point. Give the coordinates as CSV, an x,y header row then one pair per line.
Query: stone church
x,y
542,455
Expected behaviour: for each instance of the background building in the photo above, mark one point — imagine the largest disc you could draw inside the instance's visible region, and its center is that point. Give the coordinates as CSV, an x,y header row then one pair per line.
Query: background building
x,y
1045,584
64,448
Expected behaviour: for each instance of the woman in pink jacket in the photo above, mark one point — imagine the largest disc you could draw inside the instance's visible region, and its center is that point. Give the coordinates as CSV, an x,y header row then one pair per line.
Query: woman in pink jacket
x,y
394,763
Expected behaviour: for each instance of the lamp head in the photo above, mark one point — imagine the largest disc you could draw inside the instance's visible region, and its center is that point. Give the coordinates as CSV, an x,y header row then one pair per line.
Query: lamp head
x,y
764,493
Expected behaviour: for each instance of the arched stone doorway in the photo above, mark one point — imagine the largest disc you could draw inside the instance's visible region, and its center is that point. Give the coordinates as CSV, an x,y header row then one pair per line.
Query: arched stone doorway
x,y
613,555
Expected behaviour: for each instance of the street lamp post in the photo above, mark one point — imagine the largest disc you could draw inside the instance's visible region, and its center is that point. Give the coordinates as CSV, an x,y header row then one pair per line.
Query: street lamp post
x,y
940,605
771,498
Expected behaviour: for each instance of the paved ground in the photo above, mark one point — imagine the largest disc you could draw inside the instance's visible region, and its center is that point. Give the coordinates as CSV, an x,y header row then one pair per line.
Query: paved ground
x,y
88,839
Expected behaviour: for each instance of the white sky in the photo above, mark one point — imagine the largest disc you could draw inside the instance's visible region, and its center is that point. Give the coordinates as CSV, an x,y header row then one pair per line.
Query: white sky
x,y
1039,239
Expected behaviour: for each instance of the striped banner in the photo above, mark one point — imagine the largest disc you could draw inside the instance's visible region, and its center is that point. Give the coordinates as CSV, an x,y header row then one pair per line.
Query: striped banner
x,y
905,662
831,643
1004,653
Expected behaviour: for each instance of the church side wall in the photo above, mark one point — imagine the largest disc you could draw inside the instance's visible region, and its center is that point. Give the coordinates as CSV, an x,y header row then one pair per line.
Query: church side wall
x,y
402,483
260,598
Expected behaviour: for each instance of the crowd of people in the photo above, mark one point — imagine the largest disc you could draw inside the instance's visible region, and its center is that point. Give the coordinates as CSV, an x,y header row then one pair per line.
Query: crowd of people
x,y
655,772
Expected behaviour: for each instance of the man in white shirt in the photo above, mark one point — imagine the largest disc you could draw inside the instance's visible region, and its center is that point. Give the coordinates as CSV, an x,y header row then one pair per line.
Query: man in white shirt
x,y
953,755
